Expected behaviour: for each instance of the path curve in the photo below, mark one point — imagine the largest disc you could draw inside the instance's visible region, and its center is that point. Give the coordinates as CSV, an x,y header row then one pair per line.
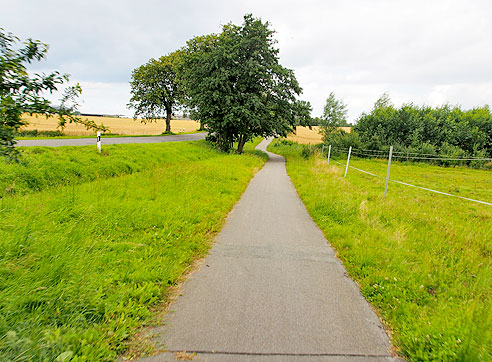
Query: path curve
x,y
111,140
271,289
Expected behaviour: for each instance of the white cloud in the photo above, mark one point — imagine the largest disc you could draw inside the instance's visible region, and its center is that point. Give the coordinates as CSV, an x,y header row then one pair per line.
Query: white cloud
x,y
105,98
465,94
419,51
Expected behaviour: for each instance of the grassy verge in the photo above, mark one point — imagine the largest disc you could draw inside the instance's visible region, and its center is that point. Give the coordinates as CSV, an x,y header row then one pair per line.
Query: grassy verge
x,y
423,260
83,264
42,167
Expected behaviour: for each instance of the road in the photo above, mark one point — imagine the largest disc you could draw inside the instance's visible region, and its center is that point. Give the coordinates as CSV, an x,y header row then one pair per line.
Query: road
x,y
271,289
110,140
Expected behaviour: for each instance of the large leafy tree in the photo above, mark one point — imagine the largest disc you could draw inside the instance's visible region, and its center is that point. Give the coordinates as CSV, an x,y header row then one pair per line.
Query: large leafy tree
x,y
21,92
237,87
154,88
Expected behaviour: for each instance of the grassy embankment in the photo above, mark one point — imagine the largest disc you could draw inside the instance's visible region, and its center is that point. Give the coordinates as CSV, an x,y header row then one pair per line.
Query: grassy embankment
x,y
423,260
117,126
90,243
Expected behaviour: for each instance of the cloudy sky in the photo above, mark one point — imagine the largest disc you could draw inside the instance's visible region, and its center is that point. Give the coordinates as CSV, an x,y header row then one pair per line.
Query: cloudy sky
x,y
427,52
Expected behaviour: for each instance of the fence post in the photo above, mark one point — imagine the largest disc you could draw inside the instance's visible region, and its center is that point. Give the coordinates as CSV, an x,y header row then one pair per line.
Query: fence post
x,y
407,157
322,150
98,142
348,160
329,153
388,173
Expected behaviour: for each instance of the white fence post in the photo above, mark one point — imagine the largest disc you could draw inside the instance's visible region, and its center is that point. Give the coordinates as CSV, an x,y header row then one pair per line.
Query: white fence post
x,y
348,160
322,150
98,142
329,153
388,173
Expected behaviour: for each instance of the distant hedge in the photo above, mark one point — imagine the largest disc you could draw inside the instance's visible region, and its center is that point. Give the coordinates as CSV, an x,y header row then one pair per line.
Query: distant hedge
x,y
446,130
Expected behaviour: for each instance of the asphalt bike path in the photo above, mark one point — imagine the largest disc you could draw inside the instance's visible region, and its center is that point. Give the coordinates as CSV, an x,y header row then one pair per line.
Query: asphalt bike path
x,y
271,289
110,140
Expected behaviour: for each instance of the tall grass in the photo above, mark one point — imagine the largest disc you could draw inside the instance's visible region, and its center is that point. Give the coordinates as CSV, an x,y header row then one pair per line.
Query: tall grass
x,y
43,167
423,260
81,265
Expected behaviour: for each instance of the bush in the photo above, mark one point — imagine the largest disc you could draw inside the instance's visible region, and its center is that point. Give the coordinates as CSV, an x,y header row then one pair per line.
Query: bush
x,y
341,140
445,129
36,133
307,151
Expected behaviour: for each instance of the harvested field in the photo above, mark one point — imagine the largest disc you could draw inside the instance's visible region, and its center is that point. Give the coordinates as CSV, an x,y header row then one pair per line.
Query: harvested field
x,y
123,126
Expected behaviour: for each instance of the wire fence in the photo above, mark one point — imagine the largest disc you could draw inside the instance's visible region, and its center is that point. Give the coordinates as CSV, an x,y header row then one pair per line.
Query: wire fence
x,y
389,156
416,156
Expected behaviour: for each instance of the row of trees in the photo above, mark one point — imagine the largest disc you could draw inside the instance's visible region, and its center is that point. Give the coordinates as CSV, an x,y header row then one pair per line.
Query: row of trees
x,y
232,82
21,92
446,130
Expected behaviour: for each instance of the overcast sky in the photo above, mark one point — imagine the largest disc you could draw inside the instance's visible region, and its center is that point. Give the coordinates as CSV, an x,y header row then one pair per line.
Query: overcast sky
x,y
427,52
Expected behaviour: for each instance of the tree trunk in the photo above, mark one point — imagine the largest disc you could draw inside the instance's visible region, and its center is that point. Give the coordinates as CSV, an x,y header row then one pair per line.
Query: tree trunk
x,y
240,144
219,141
168,120
202,126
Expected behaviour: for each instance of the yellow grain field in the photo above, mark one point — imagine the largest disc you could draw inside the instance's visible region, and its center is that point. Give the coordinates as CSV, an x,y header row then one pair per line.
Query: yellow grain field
x,y
307,136
304,135
123,126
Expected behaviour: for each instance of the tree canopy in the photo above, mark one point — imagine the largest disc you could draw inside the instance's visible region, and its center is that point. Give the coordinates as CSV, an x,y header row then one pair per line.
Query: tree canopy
x,y
236,86
21,92
154,88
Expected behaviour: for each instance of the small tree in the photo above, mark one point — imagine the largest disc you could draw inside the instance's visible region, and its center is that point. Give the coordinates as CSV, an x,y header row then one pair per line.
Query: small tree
x,y
334,113
334,116
237,87
154,88
22,93
383,102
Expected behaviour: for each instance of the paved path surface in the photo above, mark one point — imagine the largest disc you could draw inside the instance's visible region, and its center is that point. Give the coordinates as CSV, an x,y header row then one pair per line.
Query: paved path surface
x,y
271,289
111,140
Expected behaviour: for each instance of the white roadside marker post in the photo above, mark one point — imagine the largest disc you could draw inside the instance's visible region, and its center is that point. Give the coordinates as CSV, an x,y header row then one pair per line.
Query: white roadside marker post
x,y
329,153
388,173
348,160
98,143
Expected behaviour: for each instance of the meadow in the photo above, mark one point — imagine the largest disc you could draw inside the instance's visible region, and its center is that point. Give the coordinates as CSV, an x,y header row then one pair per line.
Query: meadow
x,y
120,126
423,260
91,244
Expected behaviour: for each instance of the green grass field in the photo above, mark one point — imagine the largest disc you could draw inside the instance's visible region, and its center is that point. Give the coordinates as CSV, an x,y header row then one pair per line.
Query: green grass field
x,y
423,260
89,244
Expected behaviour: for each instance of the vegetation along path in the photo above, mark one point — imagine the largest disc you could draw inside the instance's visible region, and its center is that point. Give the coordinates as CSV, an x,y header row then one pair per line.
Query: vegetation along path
x,y
111,140
271,289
